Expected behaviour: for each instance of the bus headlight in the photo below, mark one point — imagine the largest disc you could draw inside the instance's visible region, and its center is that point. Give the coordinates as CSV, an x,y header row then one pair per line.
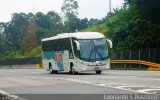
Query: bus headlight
x,y
84,68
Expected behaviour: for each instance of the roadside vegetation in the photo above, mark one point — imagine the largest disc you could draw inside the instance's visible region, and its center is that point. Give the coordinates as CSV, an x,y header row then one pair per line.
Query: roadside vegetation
x,y
135,25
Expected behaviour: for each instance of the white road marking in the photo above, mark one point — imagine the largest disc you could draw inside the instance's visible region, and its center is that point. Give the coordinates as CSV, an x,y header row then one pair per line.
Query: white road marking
x,y
133,77
101,84
14,97
121,86
147,90
48,78
154,92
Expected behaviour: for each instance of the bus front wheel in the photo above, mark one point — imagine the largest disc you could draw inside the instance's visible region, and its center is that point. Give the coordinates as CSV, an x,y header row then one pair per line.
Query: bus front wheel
x,y
72,70
98,72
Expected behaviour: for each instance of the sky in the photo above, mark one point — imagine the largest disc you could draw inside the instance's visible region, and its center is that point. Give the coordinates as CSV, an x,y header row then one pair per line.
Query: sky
x,y
87,8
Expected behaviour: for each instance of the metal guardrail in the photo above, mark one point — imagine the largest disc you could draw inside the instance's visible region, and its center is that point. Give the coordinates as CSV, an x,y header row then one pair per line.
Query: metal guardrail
x,y
126,63
145,54
151,66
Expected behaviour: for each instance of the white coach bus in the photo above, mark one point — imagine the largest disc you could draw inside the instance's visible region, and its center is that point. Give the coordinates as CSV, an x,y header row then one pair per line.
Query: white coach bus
x,y
76,52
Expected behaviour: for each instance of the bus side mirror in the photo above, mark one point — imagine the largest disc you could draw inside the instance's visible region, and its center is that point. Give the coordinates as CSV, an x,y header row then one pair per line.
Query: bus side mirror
x,y
77,43
110,43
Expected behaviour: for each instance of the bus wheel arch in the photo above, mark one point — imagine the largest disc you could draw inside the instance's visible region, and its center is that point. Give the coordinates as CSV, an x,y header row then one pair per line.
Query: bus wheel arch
x,y
72,69
50,67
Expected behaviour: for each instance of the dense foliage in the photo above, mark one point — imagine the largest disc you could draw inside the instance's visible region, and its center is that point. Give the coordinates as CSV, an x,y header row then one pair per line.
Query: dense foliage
x,y
24,32
135,25
21,37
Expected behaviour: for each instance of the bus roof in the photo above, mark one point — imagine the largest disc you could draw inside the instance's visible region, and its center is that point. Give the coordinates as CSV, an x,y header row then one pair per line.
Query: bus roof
x,y
78,35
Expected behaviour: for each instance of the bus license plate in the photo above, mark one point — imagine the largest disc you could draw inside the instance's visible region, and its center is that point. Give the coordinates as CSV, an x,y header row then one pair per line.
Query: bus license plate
x,y
97,68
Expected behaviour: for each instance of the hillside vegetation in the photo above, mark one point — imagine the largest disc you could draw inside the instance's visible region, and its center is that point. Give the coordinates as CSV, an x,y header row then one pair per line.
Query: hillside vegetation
x,y
135,25
21,36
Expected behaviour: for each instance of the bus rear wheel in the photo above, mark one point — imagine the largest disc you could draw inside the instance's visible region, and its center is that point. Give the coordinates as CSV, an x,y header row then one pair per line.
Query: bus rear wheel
x,y
51,70
98,72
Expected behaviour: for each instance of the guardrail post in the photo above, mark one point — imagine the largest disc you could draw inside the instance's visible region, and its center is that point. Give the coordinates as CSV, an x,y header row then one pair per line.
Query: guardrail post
x,y
154,56
149,54
139,54
130,53
125,66
121,54
139,57
121,59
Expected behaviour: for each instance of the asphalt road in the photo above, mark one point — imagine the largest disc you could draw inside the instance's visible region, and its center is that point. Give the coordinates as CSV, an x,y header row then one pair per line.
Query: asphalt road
x,y
39,81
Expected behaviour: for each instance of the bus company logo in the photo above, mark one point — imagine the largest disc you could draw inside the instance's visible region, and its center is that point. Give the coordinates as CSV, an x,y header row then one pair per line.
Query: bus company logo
x,y
58,57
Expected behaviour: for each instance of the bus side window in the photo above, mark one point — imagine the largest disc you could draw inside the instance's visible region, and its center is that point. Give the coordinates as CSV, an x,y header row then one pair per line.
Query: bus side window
x,y
71,54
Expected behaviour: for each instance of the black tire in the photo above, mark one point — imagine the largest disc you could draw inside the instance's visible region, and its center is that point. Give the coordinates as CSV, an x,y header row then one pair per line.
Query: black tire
x,y
72,71
55,72
51,70
98,72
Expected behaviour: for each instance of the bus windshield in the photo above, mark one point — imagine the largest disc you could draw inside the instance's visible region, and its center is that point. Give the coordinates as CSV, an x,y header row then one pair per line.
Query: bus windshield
x,y
93,50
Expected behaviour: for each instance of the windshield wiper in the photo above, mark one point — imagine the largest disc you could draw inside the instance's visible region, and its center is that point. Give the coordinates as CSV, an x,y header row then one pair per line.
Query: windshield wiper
x,y
91,51
99,53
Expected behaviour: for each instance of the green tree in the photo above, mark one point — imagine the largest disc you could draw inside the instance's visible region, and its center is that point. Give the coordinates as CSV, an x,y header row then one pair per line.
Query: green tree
x,y
136,26
48,24
83,23
2,38
69,7
29,38
56,22
149,9
69,11
12,29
